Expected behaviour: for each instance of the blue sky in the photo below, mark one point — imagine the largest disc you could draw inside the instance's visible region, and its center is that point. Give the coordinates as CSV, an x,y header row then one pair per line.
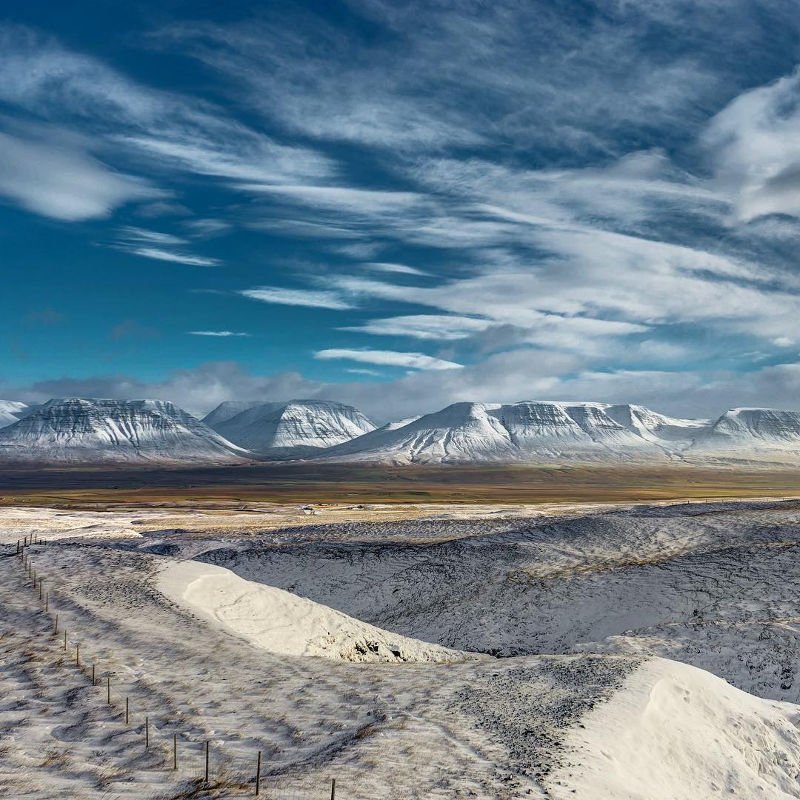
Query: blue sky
x,y
401,204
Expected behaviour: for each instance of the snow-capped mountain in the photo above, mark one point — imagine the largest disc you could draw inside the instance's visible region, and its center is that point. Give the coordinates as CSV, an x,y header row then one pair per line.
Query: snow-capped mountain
x,y
77,430
655,427
546,432
751,434
230,408
295,428
11,411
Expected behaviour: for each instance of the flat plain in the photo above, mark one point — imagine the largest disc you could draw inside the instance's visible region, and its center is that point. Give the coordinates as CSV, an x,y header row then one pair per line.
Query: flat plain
x,y
319,483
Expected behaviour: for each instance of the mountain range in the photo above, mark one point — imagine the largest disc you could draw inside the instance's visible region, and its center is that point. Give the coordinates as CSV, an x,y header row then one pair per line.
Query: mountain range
x,y
78,430
87,431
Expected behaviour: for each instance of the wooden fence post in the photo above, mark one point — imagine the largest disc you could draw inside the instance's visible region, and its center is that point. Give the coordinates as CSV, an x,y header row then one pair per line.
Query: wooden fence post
x,y
78,654
333,788
207,743
258,774
108,689
65,640
127,709
174,751
147,733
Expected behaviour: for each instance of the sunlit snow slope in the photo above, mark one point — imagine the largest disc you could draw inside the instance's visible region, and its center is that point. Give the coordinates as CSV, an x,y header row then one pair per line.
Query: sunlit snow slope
x,y
294,428
107,431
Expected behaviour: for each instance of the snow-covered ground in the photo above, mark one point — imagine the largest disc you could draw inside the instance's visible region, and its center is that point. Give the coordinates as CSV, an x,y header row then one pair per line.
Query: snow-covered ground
x,y
629,636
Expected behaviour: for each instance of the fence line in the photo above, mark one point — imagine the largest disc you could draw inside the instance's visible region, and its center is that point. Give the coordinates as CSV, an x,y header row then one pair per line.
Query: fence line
x,y
285,787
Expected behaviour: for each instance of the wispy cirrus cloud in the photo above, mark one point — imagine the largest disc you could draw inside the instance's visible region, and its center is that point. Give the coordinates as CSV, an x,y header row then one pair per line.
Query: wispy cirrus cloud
x,y
312,298
45,78
220,334
159,246
436,327
387,358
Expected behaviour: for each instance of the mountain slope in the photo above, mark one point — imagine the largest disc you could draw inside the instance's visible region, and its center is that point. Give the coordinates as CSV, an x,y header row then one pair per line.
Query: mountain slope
x,y
11,411
77,430
531,432
656,427
230,408
751,434
297,427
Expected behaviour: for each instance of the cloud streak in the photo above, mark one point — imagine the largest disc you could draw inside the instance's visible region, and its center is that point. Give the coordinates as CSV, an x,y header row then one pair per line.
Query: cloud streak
x,y
310,298
388,358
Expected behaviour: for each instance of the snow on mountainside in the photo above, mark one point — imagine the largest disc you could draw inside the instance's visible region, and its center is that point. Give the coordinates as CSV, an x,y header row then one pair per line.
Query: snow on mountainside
x,y
528,432
77,430
298,427
657,427
230,408
11,411
744,434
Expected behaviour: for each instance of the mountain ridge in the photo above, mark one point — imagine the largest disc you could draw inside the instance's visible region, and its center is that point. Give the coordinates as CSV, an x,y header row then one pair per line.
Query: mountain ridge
x,y
292,428
81,430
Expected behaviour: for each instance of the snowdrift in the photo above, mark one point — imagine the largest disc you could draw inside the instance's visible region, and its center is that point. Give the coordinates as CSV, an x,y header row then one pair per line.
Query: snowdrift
x,y
284,623
675,732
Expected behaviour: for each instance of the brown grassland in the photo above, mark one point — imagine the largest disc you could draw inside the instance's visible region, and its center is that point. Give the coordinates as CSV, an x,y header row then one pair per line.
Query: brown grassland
x,y
308,483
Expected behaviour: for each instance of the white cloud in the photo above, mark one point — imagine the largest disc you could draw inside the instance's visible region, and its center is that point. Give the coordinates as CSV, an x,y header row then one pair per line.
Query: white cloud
x,y
389,358
217,333
400,269
297,297
599,283
159,254
45,78
134,234
754,145
471,74
424,326
63,181
342,198
159,246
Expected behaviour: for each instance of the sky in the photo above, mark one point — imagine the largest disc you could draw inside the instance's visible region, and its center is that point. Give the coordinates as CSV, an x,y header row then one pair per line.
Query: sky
x,y
401,204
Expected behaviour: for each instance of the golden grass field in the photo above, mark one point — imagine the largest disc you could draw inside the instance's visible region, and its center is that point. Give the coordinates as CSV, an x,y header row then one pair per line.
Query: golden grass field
x,y
306,483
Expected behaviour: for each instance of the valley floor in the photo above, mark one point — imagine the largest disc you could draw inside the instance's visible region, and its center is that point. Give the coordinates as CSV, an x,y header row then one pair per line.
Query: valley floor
x,y
598,652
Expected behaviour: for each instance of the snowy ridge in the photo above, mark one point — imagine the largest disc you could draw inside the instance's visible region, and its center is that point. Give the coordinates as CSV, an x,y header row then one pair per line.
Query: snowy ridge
x,y
529,431
294,428
751,434
77,430
11,411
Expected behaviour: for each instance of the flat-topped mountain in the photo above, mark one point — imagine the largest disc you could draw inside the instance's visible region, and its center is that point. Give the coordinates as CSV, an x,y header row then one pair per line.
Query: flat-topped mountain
x,y
87,431
545,432
294,428
77,430
751,434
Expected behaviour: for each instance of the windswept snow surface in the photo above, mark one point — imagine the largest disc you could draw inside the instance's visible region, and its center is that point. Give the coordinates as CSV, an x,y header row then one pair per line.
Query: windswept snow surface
x,y
77,430
282,622
678,733
11,411
579,709
297,427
